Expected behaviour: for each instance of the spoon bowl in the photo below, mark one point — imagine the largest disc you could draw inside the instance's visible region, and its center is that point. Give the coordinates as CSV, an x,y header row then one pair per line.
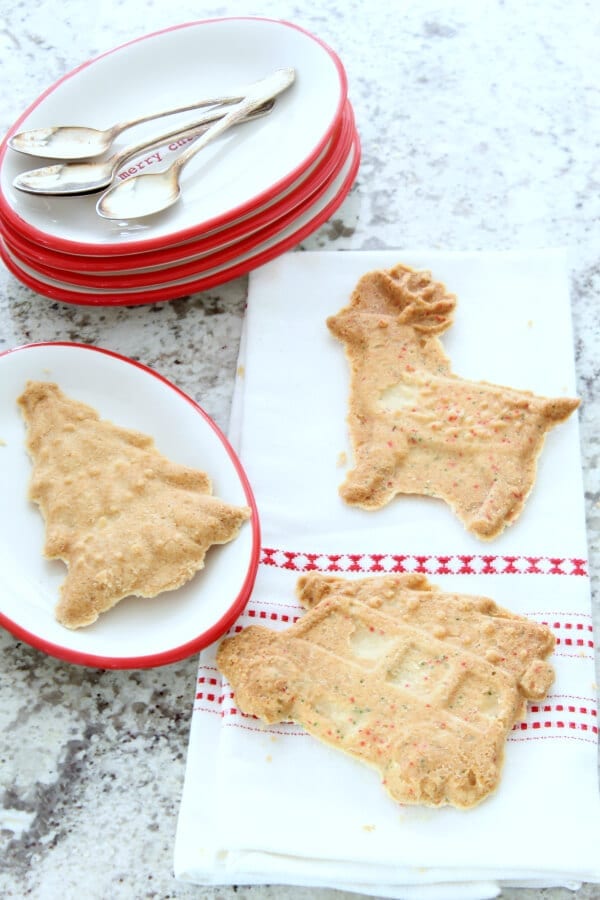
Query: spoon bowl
x,y
78,142
64,141
142,195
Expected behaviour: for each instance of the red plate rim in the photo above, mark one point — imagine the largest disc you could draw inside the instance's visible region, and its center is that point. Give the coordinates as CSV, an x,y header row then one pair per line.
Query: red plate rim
x,y
211,634
186,268
172,292
170,257
77,247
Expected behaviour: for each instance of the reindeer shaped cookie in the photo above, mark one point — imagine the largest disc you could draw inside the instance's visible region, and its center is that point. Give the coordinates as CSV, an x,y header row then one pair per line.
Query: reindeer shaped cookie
x,y
416,427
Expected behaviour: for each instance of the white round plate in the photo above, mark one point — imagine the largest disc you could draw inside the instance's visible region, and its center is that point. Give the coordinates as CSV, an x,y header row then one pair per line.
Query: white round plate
x,y
105,261
136,633
303,225
196,264
121,271
250,164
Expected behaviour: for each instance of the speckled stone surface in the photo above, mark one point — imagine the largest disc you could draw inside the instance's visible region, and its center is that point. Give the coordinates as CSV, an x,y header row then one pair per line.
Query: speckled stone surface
x,y
480,127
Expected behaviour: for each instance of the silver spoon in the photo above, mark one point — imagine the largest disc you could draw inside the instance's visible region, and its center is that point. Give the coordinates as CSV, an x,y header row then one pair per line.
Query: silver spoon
x,y
69,142
151,192
77,178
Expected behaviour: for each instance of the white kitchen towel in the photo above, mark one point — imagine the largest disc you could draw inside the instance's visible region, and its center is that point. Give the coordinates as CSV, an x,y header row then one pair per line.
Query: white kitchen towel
x,y
269,804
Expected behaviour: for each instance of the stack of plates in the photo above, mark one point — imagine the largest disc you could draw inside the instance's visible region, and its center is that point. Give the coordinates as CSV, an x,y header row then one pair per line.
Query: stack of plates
x,y
247,197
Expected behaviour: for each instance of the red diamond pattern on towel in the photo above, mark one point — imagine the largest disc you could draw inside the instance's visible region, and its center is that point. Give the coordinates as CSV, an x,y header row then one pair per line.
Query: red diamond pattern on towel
x,y
427,564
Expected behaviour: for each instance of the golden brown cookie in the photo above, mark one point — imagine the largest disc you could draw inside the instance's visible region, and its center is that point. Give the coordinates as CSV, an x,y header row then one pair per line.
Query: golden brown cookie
x,y
422,685
124,519
416,427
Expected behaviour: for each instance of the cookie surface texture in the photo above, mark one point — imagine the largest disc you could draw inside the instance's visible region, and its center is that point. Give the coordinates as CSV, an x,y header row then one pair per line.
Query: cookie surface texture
x,y
417,428
125,519
422,685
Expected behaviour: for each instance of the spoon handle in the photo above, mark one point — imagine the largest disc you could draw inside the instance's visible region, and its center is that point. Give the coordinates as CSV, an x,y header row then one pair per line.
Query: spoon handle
x,y
227,100
188,130
116,129
258,94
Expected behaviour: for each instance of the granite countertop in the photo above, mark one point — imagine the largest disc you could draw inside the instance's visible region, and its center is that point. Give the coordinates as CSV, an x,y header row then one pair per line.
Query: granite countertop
x,y
480,130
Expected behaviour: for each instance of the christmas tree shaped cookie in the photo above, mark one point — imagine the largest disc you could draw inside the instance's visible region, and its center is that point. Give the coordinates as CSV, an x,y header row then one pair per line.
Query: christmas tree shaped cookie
x,y
125,519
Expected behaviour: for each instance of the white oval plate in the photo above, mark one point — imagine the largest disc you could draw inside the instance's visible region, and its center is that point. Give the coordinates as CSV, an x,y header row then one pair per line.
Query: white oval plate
x,y
104,261
305,224
194,265
137,633
234,174
272,220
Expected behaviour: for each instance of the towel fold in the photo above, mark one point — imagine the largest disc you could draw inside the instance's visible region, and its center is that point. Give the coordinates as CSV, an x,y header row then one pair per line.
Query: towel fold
x,y
269,804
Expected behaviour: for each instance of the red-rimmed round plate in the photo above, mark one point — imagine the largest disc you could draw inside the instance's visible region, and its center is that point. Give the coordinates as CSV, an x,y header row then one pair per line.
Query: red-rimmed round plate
x,y
230,177
141,269
137,633
164,290
318,173
206,261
